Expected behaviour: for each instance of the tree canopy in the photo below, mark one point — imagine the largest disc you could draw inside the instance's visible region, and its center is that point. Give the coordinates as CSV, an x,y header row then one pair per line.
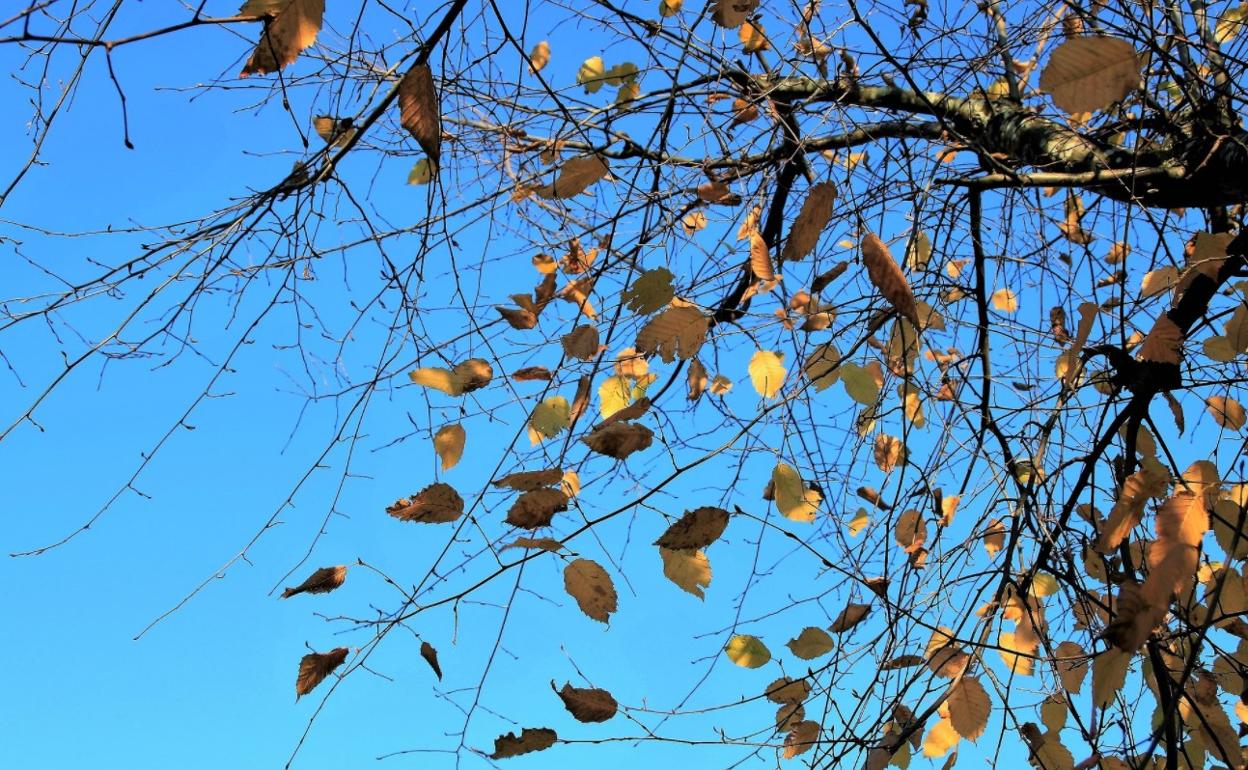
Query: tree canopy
x,y
882,359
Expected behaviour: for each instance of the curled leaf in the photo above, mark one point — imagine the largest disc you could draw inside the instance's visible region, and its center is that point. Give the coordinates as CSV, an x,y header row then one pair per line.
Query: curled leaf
x,y
435,504
315,666
588,704
322,581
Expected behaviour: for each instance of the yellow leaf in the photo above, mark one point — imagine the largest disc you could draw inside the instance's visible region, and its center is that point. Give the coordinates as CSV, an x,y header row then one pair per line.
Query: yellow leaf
x,y
437,378
449,442
767,372
1109,674
760,259
421,173
1085,74
969,708
1226,412
859,384
591,74
1005,300
793,499
669,8
940,739
690,570
747,651
551,416
858,522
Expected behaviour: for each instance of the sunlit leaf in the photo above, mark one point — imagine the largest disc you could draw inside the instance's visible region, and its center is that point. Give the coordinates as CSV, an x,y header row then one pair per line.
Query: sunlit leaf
x,y
747,651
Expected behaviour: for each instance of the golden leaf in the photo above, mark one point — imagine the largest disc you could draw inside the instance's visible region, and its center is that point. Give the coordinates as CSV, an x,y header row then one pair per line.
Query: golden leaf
x,y
1005,300
760,259
1109,674
697,379
793,499
969,708
940,739
811,643
550,417
753,37
449,442
1164,343
802,738
1226,412
747,651
539,57
994,537
591,586
293,28
689,569
767,372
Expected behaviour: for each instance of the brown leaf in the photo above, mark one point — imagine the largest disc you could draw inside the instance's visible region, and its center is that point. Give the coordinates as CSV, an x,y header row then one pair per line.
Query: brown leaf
x,y
430,654
676,332
591,586
530,739
582,342
536,508
852,615
419,112
886,275
548,544
630,412
435,504
293,28
315,666
1085,74
518,318
589,704
530,373
825,279
810,221
760,259
526,480
969,708
473,374
732,13
696,529
786,690
322,581
619,440
801,739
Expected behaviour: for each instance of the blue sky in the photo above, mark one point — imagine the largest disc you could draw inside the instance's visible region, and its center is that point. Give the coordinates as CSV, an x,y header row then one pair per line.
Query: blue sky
x,y
211,686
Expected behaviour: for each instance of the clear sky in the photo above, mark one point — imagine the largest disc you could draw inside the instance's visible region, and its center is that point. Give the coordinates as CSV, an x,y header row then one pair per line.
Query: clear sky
x,y
212,685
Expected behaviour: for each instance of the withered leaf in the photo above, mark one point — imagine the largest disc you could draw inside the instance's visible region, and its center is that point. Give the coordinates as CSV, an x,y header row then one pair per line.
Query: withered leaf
x,y
315,666
852,615
808,226
575,177
591,586
536,508
886,276
823,280
419,112
530,373
293,28
437,503
526,480
619,439
801,739
518,318
430,654
696,529
676,332
582,342
322,581
530,739
786,690
543,543
588,704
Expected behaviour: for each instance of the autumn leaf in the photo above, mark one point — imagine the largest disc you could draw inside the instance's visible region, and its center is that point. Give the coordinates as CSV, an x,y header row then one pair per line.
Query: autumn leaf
x,y
548,544
419,112
619,439
539,57
435,504
696,529
969,708
588,704
526,480
575,177
551,417
802,738
530,739
1226,412
1109,674
886,276
449,442
1086,74
732,13
582,343
793,499
651,291
536,507
315,666
591,586
767,372
747,651
293,28
811,643
852,615
811,219
678,331
760,259
430,654
689,569
322,581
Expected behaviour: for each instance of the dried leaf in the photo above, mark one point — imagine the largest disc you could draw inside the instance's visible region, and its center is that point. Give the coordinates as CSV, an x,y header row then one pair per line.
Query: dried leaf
x,y
760,259
526,480
969,708
435,504
582,342
731,14
315,666
591,586
419,111
539,57
532,373
852,615
1109,674
430,654
619,439
696,529
322,581
551,417
676,332
1226,412
1086,74
575,177
802,738
548,544
808,225
536,508
886,276
589,704
530,739
293,28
